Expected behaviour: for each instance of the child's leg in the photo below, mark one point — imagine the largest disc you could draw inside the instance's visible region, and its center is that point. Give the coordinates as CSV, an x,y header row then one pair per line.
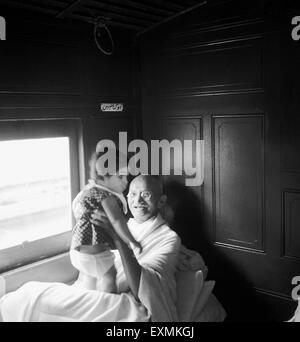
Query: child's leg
x,y
108,281
106,271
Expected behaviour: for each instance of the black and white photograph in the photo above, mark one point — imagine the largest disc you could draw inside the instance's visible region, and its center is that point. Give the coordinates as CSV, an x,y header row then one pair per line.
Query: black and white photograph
x,y
150,163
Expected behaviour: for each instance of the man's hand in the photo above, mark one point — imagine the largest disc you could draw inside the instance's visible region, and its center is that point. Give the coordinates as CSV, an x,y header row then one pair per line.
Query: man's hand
x,y
99,219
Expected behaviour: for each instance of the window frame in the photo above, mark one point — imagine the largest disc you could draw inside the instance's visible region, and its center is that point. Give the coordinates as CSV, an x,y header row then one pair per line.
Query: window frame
x,y
29,252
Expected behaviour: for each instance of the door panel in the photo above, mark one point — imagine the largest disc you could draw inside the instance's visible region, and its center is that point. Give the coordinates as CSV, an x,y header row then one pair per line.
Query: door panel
x,y
238,148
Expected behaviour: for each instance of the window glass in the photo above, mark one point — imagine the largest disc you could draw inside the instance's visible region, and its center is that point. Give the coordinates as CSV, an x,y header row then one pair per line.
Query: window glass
x,y
35,190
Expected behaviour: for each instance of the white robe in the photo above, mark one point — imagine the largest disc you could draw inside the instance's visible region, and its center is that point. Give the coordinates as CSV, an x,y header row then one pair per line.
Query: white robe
x,y
36,301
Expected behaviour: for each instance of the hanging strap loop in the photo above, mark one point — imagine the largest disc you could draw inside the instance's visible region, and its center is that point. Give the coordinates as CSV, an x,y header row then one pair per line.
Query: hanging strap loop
x,y
99,24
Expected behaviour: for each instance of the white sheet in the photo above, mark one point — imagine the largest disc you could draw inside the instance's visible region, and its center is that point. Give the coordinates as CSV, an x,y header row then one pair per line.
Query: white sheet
x,y
36,302
157,290
160,297
196,302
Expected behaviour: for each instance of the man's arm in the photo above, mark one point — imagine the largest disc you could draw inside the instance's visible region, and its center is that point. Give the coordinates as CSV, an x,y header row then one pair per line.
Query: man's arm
x,y
131,266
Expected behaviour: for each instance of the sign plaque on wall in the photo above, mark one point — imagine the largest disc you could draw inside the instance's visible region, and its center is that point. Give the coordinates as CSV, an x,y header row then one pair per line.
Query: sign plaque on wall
x,y
112,107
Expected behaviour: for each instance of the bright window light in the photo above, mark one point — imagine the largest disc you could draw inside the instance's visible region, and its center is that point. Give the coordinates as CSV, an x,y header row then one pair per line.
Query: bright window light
x,y
35,191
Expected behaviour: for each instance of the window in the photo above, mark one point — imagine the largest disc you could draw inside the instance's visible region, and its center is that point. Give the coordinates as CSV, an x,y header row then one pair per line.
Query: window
x,y
38,179
34,189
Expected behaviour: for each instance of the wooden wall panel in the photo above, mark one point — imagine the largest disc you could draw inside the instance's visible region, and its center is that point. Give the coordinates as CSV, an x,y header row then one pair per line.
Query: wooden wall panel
x,y
290,119
238,145
291,219
56,64
29,66
185,203
107,127
181,128
199,69
109,75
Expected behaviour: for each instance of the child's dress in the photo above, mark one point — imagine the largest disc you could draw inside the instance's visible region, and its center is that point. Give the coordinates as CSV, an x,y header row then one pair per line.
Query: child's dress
x,y
89,199
85,233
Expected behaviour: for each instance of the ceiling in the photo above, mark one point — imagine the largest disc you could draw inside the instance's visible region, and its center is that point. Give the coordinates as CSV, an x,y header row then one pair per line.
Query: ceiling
x,y
138,15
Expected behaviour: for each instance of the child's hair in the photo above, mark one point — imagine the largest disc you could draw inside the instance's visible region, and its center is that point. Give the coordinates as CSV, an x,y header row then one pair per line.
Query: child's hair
x,y
94,174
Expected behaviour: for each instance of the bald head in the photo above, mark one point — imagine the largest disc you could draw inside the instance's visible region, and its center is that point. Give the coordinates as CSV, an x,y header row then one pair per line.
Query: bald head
x,y
152,183
145,197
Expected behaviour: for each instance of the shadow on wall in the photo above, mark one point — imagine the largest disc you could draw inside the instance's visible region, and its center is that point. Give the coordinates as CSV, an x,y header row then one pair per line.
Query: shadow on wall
x,y
184,215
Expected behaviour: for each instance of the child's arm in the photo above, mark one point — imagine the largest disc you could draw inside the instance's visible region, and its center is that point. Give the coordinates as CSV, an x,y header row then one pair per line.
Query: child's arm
x,y
118,221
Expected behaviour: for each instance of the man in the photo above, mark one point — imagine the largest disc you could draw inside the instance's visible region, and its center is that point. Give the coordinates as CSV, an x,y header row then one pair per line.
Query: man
x,y
150,275
146,281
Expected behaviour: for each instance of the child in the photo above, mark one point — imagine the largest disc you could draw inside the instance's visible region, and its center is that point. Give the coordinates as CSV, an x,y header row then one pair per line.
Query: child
x,y
103,192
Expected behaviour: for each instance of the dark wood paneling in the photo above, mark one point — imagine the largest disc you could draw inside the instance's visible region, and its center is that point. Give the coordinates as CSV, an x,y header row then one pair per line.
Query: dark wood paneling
x,y
290,119
109,75
279,308
199,69
228,29
208,105
291,231
39,67
185,204
57,64
107,127
181,129
239,181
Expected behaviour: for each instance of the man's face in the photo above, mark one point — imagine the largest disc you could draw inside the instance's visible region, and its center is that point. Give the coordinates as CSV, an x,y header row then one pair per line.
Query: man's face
x,y
143,200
